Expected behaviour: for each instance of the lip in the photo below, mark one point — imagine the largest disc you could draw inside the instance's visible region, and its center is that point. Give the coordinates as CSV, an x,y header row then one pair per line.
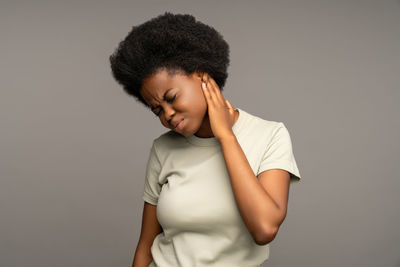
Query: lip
x,y
178,126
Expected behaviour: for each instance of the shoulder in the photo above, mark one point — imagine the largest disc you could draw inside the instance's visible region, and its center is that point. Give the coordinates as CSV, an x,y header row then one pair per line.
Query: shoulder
x,y
168,141
168,137
258,125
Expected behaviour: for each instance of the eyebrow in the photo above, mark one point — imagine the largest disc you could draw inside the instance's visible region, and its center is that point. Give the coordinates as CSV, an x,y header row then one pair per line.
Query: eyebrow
x,y
164,96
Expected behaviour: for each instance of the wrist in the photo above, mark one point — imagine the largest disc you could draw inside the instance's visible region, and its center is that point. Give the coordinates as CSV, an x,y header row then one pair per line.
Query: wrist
x,y
227,139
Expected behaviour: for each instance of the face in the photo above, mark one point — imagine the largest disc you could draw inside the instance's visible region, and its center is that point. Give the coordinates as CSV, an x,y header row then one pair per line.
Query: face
x,y
178,99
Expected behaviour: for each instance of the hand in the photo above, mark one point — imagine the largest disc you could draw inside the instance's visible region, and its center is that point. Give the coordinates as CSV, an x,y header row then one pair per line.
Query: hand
x,y
220,112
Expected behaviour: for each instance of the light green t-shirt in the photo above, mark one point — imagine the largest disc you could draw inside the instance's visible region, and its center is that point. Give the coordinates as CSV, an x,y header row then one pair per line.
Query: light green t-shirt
x,y
186,177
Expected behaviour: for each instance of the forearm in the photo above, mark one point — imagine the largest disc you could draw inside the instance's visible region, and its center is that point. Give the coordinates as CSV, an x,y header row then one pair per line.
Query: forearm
x,y
259,211
142,257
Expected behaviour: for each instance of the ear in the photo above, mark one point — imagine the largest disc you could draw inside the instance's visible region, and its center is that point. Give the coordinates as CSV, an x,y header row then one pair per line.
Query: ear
x,y
201,75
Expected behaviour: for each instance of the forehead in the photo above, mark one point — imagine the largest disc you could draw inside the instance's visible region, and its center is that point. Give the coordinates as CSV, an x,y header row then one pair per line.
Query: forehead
x,y
154,86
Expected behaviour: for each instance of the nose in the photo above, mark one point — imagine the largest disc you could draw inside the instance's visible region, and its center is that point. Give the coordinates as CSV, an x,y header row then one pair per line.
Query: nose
x,y
168,112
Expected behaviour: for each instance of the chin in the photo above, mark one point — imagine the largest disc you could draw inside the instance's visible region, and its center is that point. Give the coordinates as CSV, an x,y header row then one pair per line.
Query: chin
x,y
189,132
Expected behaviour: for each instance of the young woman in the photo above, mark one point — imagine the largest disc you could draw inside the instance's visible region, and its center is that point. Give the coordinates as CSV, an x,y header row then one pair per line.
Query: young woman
x,y
217,182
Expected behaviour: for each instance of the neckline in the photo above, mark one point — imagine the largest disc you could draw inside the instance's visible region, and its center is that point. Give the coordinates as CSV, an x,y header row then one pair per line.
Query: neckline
x,y
212,141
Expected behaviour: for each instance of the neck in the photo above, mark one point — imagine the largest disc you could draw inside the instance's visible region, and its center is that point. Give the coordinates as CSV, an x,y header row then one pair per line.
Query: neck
x,y
205,128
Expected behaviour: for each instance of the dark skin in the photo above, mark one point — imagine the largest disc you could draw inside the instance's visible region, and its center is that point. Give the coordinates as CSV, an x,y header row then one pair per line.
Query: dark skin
x,y
262,200
189,101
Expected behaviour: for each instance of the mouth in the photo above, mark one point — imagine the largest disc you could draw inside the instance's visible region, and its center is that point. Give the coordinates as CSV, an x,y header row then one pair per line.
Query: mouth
x,y
178,125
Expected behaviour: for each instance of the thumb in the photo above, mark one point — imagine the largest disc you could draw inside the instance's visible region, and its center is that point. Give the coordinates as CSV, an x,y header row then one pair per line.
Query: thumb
x,y
231,109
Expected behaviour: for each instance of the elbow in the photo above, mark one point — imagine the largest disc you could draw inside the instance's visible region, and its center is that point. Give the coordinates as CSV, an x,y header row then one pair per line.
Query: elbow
x,y
269,231
266,236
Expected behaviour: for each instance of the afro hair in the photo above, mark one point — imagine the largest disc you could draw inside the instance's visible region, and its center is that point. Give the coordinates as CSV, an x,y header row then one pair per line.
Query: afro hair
x,y
176,43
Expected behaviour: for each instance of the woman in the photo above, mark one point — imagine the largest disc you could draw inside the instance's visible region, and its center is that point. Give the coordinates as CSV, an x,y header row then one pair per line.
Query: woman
x,y
217,183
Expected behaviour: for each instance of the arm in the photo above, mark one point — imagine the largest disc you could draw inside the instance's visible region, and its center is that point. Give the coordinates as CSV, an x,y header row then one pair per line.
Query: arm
x,y
150,229
262,200
142,258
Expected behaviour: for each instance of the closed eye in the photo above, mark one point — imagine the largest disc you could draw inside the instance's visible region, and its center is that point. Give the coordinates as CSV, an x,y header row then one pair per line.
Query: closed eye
x,y
169,101
172,99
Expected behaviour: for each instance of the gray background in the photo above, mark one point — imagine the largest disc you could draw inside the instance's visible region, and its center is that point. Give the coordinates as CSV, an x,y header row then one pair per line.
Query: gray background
x,y
74,145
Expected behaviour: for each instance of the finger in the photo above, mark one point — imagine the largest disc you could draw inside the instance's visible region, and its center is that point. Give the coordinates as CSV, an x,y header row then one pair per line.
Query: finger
x,y
229,104
211,91
216,90
231,109
212,96
206,92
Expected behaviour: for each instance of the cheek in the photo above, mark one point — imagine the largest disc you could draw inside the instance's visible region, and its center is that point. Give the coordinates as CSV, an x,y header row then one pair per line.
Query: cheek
x,y
193,102
199,103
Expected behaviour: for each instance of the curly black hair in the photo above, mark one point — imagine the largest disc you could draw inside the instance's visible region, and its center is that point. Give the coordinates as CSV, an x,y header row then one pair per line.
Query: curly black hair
x,y
176,43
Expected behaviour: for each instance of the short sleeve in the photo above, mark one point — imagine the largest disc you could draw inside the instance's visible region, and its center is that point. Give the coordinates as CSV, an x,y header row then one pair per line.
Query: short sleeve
x,y
278,154
152,188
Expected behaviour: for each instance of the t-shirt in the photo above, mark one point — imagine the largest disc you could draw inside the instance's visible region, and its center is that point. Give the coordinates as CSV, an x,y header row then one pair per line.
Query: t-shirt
x,y
186,177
